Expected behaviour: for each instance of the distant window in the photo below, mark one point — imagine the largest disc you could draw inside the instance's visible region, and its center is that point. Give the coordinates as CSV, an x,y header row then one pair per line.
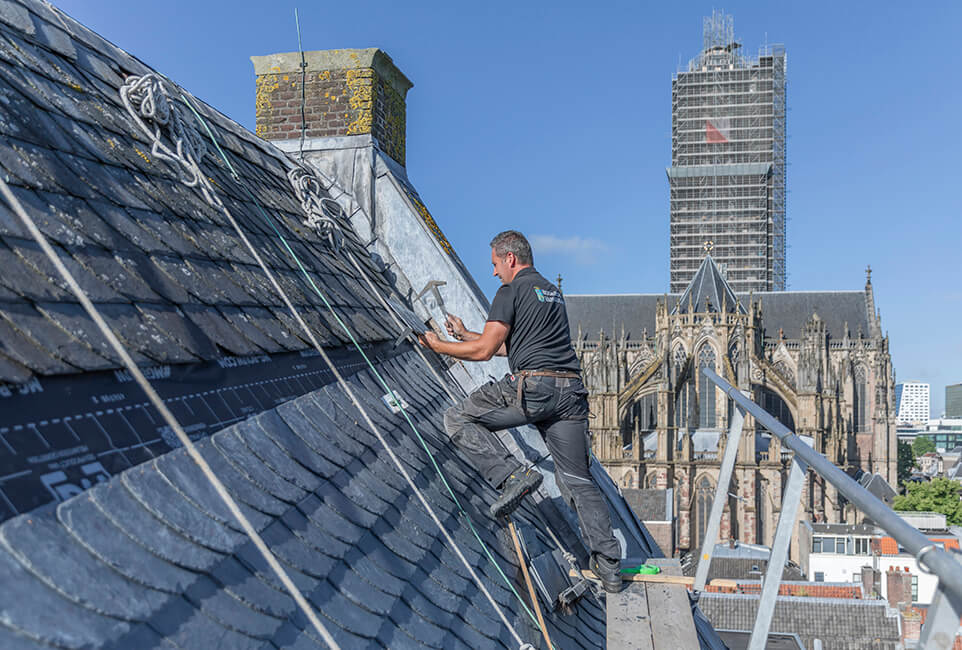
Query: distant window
x,y
840,545
819,576
915,589
816,545
862,546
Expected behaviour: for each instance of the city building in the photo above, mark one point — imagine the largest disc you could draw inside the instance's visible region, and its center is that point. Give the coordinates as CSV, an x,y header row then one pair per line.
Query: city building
x,y
912,402
727,174
953,401
838,552
818,361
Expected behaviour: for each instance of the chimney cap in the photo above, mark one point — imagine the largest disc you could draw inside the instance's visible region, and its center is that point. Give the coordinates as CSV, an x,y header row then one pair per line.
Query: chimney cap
x,y
349,59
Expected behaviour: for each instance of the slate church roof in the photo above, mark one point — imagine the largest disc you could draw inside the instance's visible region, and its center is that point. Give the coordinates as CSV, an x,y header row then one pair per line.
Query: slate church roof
x,y
112,537
786,311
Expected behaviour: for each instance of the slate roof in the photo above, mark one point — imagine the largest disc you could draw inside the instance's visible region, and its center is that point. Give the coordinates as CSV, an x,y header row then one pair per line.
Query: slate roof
x,y
143,554
787,310
840,623
708,291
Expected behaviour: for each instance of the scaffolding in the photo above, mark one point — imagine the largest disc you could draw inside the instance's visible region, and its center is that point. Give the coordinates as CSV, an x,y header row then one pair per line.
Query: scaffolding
x,y
727,174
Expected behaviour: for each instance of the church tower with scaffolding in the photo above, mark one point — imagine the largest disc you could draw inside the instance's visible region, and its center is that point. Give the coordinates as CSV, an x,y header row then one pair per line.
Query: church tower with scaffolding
x,y
727,174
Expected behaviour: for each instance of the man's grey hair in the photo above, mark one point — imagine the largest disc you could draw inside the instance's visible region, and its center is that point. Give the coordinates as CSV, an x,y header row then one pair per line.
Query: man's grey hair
x,y
512,241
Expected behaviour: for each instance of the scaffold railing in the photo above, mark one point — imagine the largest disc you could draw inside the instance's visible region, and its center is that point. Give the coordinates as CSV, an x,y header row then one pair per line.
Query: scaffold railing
x,y
945,612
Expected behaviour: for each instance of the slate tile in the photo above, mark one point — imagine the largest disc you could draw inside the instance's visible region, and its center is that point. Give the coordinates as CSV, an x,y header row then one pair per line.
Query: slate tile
x,y
13,371
107,268
128,514
266,321
274,424
29,352
288,636
77,215
37,261
188,627
47,550
250,557
252,432
74,320
169,320
329,519
11,639
419,625
253,468
349,616
184,474
134,328
158,496
241,582
220,330
313,535
33,609
91,527
230,612
240,486
290,548
121,221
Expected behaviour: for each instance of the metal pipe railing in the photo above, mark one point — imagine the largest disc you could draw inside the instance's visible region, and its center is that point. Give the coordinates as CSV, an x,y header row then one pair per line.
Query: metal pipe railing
x,y
929,557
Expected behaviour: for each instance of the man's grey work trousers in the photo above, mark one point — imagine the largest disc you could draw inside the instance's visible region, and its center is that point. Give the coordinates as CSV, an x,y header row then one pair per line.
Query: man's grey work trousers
x,y
558,407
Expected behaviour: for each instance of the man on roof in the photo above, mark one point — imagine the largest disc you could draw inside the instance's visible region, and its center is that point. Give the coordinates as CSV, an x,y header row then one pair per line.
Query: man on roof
x,y
528,323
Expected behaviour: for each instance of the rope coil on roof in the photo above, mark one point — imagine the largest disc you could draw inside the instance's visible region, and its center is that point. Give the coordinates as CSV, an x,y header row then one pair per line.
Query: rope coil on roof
x,y
147,97
322,213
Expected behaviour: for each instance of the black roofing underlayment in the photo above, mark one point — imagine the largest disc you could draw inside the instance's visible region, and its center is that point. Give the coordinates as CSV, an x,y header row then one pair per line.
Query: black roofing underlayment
x,y
130,547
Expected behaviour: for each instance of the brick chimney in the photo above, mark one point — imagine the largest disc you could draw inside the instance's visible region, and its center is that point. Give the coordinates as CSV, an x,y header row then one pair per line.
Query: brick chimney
x,y
346,93
872,582
898,587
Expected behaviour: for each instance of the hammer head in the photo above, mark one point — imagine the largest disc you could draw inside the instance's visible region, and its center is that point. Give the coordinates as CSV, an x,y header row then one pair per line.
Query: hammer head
x,y
432,286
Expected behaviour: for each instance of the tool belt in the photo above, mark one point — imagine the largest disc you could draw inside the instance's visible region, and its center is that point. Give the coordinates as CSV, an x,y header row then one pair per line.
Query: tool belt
x,y
524,374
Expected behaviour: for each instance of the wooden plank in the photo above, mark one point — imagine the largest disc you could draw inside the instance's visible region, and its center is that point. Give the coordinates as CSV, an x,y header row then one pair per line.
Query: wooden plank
x,y
629,624
660,578
672,626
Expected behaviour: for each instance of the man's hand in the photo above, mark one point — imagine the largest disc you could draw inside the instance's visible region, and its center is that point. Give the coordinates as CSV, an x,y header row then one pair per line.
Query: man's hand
x,y
455,327
429,340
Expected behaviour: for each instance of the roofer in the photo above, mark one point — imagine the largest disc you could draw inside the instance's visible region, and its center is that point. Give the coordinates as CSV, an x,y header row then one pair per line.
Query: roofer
x,y
528,323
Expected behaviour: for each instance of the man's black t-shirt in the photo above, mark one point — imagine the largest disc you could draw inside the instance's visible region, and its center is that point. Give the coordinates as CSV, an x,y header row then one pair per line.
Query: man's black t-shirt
x,y
535,311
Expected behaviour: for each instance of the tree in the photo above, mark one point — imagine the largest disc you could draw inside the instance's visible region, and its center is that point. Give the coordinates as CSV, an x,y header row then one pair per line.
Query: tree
x,y
922,445
938,495
906,461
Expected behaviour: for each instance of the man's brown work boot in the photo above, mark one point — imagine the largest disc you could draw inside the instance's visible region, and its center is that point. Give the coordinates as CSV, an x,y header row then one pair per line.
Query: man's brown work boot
x,y
515,487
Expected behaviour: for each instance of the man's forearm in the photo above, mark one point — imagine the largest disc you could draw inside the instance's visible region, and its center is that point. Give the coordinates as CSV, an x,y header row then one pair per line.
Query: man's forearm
x,y
467,350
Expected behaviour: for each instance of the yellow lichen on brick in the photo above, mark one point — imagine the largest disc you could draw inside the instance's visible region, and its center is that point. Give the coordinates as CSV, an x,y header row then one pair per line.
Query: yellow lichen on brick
x,y
265,85
433,226
360,84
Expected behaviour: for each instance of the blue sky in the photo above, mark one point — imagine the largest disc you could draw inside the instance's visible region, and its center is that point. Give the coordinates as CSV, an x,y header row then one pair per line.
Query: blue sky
x,y
555,119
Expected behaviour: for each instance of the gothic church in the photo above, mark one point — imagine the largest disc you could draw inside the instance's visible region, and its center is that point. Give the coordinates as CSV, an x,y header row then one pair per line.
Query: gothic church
x,y
818,361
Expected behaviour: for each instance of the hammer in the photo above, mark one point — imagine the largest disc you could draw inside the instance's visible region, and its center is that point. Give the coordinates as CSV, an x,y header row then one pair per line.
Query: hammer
x,y
432,286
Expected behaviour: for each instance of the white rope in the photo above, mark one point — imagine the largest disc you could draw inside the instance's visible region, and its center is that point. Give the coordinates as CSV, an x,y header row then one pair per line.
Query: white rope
x,y
317,208
168,417
190,164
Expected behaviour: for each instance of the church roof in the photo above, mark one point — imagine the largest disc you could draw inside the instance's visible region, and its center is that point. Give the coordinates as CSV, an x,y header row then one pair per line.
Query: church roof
x,y
708,291
112,536
781,310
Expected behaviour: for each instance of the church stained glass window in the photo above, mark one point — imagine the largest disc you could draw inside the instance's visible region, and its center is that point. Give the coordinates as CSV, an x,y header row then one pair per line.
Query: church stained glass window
x,y
706,392
859,407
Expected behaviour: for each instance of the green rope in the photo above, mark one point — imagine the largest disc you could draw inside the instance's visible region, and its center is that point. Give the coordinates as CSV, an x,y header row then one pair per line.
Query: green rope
x,y
271,222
